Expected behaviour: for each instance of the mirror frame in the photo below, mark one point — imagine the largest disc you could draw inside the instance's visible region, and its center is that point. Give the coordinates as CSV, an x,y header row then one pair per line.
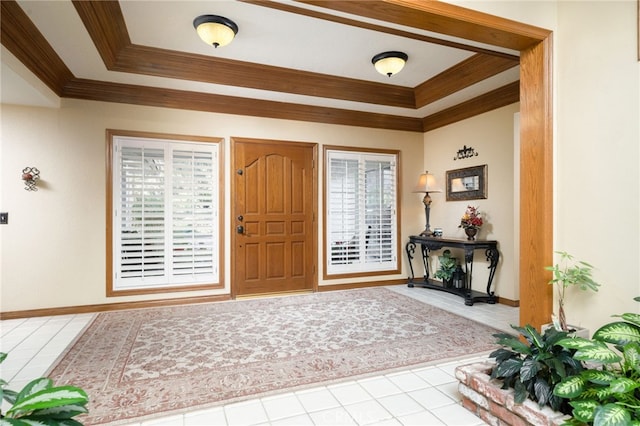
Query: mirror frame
x,y
480,193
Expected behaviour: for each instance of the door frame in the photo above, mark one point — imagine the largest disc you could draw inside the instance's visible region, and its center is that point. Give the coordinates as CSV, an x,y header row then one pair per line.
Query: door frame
x,y
314,235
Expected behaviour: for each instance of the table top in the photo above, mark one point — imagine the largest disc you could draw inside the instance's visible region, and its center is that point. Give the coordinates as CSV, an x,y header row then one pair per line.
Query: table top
x,y
456,241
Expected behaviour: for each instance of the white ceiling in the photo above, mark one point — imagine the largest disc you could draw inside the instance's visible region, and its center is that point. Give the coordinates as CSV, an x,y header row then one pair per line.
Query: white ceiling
x,y
266,36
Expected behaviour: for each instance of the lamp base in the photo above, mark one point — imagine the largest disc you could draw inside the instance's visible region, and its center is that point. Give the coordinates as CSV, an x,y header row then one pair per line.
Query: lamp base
x,y
426,233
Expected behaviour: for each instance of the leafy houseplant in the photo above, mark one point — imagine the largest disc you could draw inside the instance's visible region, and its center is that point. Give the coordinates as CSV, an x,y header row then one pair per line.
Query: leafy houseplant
x,y
570,273
534,368
40,403
448,266
608,395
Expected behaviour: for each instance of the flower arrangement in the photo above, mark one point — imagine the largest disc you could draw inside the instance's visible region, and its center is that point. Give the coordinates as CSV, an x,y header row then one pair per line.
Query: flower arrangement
x,y
472,218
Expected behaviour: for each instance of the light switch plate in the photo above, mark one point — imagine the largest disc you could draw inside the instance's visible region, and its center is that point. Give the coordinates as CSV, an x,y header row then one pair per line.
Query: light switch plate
x,y
4,218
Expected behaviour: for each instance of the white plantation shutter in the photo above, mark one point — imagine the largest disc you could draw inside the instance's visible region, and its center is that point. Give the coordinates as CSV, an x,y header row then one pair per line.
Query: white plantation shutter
x,y
166,213
361,210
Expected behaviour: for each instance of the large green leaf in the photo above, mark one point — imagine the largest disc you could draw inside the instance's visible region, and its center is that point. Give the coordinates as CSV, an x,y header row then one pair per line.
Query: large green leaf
x,y
576,343
520,392
47,398
60,413
571,387
9,396
633,318
598,352
618,333
542,391
624,385
584,410
513,342
611,415
631,353
529,369
599,377
508,368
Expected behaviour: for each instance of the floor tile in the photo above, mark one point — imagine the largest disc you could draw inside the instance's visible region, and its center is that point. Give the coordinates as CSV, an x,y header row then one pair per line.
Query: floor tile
x,y
407,381
212,417
333,416
422,418
455,414
349,393
400,404
379,386
431,398
317,399
282,406
245,413
368,412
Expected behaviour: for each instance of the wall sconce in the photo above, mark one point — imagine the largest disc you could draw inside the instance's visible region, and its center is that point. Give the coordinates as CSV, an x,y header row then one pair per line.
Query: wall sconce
x,y
427,183
30,176
215,30
389,63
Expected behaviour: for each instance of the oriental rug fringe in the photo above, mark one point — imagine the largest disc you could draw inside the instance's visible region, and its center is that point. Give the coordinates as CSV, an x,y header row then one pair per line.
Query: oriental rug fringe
x,y
143,363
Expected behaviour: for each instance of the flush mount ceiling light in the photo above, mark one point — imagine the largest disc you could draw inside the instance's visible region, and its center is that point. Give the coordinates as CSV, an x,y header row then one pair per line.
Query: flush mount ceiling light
x,y
215,30
389,63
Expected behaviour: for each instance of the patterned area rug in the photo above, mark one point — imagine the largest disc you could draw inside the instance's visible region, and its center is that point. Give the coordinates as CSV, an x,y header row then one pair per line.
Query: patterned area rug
x,y
144,362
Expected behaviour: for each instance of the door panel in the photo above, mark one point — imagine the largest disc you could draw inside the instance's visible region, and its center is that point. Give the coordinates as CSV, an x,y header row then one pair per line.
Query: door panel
x,y
273,199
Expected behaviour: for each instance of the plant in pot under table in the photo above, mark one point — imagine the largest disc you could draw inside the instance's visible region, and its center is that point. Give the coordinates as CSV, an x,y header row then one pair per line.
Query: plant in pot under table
x,y
533,367
608,392
569,273
447,268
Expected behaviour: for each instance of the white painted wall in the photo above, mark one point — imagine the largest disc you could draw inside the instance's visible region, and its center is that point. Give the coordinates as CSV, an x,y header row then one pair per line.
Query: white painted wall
x,y
491,136
53,250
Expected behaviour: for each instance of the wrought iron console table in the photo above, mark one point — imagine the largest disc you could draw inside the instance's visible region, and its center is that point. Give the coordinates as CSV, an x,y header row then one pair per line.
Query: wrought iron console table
x,y
428,244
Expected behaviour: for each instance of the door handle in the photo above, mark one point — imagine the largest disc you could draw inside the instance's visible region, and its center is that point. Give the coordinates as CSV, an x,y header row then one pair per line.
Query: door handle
x,y
240,229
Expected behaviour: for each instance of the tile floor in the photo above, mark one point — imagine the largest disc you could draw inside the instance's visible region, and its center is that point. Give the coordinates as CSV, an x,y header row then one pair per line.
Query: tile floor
x,y
419,396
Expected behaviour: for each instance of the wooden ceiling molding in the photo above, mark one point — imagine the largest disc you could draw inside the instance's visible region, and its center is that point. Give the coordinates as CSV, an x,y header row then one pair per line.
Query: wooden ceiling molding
x,y
105,23
464,74
22,38
179,99
442,18
503,96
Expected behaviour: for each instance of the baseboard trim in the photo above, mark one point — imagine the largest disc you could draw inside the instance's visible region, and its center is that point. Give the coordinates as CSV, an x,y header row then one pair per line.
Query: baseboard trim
x,y
348,286
106,307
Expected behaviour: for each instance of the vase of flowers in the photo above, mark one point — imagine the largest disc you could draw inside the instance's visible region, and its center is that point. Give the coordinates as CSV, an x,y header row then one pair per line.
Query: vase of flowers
x,y
471,222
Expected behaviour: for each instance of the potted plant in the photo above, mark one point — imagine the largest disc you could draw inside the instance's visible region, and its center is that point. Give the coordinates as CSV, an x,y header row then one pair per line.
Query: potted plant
x,y
569,273
40,403
534,368
608,393
447,268
471,221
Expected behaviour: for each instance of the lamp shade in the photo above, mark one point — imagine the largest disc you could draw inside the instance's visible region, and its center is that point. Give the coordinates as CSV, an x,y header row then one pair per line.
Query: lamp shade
x,y
389,63
215,30
427,183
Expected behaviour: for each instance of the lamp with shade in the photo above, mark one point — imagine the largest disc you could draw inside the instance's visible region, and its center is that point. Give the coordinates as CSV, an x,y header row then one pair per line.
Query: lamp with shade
x,y
427,184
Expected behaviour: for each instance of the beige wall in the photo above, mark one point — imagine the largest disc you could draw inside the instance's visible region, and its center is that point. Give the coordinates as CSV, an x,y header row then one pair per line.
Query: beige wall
x,y
53,250
492,137
597,143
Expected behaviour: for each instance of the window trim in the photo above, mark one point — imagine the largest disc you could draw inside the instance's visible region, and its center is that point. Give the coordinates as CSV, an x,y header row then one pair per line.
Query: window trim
x,y
111,134
325,239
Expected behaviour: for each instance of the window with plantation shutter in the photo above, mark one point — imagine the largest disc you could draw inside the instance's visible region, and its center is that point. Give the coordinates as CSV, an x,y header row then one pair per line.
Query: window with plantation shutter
x,y
165,213
361,212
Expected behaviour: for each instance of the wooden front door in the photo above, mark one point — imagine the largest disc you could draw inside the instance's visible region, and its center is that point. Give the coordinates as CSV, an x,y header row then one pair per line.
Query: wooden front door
x,y
273,216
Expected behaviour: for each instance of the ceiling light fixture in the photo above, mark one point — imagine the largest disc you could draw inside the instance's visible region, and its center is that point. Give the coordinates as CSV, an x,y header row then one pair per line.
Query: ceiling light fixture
x,y
389,63
215,30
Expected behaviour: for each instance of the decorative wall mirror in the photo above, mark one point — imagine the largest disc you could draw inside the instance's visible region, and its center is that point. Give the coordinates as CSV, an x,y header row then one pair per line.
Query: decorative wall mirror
x,y
467,184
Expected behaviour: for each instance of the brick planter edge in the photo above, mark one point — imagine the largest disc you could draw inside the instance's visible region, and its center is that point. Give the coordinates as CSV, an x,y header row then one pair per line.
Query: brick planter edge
x,y
483,396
